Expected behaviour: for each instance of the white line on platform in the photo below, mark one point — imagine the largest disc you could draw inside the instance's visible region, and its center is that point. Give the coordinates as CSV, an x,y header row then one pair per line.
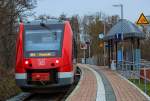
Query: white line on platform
x,y
100,86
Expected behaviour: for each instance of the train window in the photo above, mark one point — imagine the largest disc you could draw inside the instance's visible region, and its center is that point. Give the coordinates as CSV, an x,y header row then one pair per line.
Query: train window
x,y
43,40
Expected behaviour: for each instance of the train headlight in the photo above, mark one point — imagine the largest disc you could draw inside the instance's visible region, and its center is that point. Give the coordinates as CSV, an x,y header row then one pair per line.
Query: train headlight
x,y
57,61
26,62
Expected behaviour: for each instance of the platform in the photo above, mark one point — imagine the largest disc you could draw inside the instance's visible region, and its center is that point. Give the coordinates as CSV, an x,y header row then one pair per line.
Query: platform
x,y
99,83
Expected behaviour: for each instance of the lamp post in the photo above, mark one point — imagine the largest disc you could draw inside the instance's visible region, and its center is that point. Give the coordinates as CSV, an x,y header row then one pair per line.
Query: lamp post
x,y
121,7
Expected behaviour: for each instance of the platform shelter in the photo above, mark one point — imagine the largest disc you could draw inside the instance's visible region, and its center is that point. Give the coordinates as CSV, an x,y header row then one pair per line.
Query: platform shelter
x,y
123,42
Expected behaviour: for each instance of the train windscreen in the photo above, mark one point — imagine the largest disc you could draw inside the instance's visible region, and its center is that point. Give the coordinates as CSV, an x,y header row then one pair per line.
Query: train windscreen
x,y
43,42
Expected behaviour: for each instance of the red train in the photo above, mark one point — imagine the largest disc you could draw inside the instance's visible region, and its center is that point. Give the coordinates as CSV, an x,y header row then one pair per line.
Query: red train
x,y
44,55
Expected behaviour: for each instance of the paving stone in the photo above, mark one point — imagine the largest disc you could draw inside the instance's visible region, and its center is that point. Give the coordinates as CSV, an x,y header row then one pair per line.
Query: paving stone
x,y
110,95
87,89
123,90
116,88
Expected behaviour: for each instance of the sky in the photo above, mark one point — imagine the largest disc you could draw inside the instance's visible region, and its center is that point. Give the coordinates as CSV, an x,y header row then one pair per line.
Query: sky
x,y
132,8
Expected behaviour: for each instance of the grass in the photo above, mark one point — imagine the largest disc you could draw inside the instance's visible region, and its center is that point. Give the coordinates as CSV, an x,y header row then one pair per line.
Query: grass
x,y
141,85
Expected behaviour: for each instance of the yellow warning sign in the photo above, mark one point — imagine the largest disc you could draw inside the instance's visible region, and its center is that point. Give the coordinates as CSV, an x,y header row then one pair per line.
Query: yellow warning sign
x,y
142,20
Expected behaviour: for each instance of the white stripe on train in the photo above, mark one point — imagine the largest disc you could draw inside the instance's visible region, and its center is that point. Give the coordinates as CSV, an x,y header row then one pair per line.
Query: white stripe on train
x,y
60,75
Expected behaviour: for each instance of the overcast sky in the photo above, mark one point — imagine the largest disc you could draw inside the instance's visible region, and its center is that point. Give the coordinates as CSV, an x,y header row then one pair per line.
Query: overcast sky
x,y
132,8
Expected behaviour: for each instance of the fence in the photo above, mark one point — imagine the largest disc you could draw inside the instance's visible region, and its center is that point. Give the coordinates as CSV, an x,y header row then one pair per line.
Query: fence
x,y
136,72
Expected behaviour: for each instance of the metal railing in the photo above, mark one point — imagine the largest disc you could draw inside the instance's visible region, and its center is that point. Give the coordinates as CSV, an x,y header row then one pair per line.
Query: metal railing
x,y
136,72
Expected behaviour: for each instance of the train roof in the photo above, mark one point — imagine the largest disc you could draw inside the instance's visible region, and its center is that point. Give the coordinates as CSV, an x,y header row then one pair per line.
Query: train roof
x,y
48,21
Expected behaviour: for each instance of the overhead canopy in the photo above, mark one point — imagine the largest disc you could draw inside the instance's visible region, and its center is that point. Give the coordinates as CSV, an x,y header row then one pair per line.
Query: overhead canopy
x,y
148,26
127,28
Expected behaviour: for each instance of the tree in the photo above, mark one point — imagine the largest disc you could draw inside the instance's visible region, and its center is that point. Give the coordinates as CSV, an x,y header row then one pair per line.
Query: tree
x,y
63,16
74,21
10,10
94,25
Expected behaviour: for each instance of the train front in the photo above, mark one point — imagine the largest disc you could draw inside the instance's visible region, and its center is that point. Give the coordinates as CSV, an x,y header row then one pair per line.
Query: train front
x,y
44,56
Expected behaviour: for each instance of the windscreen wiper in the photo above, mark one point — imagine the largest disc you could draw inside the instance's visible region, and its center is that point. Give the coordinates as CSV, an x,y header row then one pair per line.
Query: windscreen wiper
x,y
44,25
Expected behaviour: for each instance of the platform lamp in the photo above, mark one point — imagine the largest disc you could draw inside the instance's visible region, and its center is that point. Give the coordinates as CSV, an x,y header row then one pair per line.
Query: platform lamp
x,y
121,7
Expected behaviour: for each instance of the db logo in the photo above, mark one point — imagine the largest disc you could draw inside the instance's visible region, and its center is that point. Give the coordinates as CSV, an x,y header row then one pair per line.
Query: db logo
x,y
41,62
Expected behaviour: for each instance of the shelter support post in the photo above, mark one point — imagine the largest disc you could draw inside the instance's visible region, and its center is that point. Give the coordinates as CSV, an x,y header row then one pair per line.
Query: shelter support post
x,y
112,50
116,46
109,53
138,43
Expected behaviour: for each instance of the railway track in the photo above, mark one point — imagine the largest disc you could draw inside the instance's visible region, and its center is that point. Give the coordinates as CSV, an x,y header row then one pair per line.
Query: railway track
x,y
45,97
60,96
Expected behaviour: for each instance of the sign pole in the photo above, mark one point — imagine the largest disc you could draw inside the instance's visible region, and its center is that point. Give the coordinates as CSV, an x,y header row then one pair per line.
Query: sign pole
x,y
104,41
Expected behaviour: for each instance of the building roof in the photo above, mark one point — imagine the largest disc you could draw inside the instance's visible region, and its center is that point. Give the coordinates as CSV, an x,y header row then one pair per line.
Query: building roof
x,y
127,28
